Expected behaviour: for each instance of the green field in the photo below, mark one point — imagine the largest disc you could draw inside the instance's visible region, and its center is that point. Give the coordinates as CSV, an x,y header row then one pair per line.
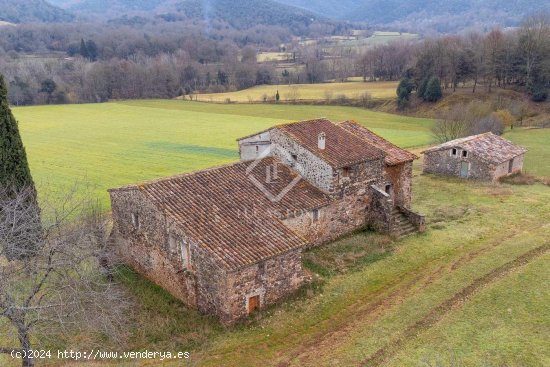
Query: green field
x,y
319,91
115,144
537,159
273,56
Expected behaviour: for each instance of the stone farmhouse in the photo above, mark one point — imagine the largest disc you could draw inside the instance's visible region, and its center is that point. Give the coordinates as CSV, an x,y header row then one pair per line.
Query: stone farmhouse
x,y
483,157
228,240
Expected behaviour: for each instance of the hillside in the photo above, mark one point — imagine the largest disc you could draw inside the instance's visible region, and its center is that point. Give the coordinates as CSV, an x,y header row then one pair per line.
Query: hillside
x,y
17,11
418,15
239,14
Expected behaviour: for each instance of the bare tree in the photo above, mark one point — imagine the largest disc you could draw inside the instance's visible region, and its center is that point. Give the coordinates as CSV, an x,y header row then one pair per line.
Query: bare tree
x,y
62,288
452,125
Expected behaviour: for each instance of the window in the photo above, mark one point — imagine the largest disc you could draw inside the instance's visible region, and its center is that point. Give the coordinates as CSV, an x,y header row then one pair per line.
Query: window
x,y
185,254
294,157
511,165
464,153
172,244
257,149
454,152
388,189
315,215
135,220
346,171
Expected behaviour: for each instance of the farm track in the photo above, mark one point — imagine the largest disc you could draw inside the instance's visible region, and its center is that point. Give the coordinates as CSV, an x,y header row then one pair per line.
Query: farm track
x,y
387,352
385,302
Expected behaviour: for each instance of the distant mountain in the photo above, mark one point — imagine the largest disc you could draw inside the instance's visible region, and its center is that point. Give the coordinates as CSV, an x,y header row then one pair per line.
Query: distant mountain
x,y
24,11
238,13
442,15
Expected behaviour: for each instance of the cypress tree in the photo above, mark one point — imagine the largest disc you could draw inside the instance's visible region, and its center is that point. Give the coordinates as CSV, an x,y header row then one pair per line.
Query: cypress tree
x,y
14,168
84,49
16,181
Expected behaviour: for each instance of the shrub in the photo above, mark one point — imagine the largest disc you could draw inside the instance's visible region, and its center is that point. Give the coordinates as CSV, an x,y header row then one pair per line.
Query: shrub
x,y
487,124
404,90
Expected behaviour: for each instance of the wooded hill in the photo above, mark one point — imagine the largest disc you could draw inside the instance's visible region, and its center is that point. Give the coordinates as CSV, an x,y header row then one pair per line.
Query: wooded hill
x,y
17,11
427,15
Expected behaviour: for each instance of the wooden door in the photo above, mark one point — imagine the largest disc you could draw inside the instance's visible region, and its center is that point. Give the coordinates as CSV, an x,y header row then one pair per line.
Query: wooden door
x,y
463,169
253,303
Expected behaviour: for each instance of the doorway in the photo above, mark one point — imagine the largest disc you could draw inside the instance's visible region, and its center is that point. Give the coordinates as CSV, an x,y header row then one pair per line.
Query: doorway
x,y
511,165
253,303
464,168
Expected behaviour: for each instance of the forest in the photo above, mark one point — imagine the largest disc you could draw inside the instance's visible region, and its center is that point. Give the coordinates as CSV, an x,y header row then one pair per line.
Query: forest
x,y
76,63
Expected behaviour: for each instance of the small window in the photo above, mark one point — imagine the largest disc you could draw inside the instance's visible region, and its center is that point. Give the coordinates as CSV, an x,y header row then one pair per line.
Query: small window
x,y
172,244
315,215
257,149
465,153
135,220
454,151
388,189
346,171
184,254
511,165
294,157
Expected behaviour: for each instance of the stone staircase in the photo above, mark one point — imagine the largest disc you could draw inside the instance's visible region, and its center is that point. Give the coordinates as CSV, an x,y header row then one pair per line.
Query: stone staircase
x,y
401,225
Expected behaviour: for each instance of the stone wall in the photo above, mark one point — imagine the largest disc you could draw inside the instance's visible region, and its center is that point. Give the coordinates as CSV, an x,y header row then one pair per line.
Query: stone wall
x,y
342,216
311,167
360,177
380,210
443,163
155,250
271,280
400,177
255,146
502,169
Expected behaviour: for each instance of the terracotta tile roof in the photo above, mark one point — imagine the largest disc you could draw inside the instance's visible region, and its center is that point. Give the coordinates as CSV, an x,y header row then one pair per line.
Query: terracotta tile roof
x,y
342,148
488,147
394,154
223,210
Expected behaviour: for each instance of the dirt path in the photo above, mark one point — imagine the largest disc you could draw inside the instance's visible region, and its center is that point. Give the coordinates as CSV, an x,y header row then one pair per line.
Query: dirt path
x,y
388,351
385,301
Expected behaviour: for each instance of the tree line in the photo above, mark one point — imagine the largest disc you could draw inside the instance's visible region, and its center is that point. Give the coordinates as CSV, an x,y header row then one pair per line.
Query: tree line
x,y
99,66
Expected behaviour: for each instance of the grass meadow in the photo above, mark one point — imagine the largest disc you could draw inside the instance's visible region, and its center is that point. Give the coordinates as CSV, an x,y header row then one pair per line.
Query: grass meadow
x,y
470,291
319,91
115,144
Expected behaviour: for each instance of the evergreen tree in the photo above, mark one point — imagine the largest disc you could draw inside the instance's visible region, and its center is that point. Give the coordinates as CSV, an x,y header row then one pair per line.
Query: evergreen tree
x,y
404,90
277,96
83,49
14,168
421,90
92,50
15,178
433,91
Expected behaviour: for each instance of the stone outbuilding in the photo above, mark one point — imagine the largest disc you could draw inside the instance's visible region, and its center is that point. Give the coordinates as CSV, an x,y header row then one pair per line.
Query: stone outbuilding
x,y
228,240
482,157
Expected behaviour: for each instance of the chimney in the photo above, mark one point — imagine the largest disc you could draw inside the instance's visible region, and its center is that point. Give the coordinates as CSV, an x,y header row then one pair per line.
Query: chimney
x,y
321,141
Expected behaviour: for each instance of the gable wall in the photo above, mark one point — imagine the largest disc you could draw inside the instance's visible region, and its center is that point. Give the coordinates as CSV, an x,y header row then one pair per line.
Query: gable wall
x,y
271,279
247,146
502,169
311,167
